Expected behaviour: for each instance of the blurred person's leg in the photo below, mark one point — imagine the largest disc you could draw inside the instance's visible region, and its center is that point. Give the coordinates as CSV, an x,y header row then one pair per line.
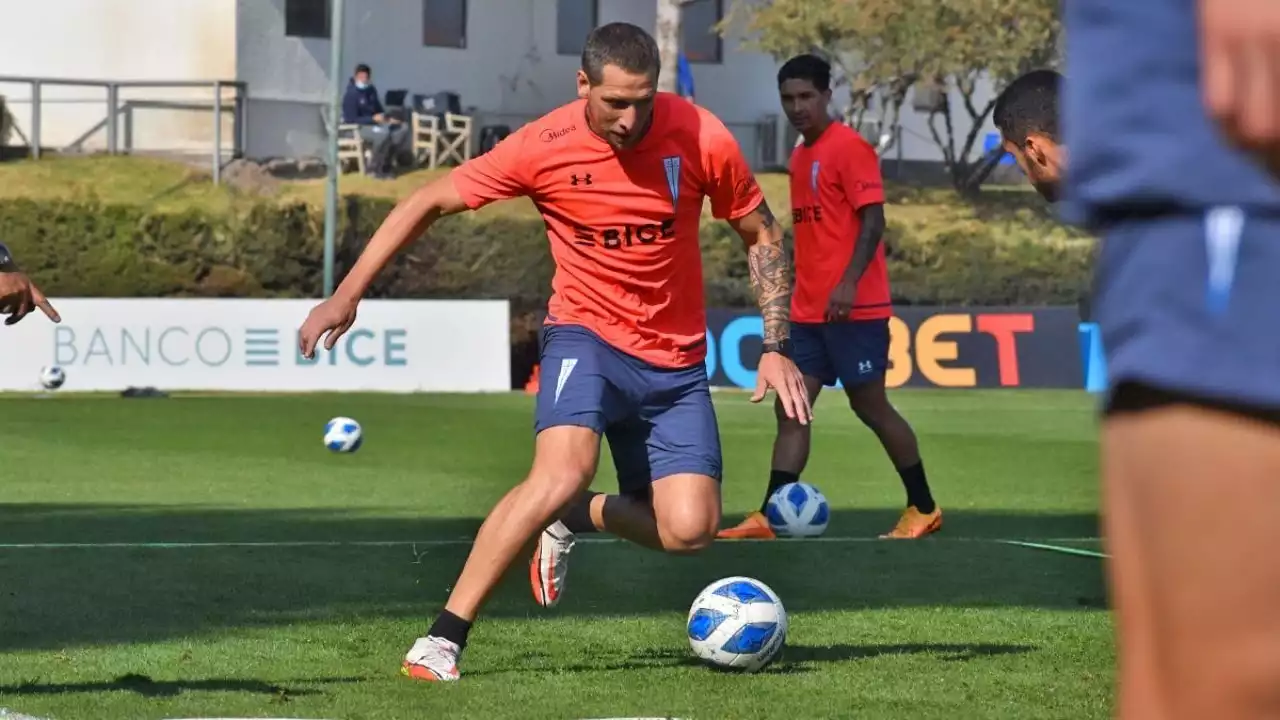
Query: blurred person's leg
x,y
1188,306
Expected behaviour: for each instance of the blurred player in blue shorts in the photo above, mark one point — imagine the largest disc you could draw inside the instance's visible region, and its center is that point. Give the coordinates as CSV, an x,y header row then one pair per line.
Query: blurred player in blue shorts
x,y
1172,120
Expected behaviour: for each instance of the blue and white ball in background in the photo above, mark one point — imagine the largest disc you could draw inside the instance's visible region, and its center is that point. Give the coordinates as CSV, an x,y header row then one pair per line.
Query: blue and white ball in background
x,y
52,377
737,624
342,434
798,510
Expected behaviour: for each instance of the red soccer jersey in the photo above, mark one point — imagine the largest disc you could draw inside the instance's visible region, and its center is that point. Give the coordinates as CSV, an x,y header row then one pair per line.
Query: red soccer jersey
x,y
623,224
830,180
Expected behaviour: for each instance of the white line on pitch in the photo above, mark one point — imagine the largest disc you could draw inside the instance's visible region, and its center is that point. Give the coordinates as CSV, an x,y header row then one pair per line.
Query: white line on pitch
x,y
439,542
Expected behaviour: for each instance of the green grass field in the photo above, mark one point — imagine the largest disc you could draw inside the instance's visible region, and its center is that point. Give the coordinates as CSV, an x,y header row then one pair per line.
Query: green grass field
x,y
957,626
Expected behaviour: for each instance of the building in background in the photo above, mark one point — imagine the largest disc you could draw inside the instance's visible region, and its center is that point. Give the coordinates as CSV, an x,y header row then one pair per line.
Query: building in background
x,y
510,60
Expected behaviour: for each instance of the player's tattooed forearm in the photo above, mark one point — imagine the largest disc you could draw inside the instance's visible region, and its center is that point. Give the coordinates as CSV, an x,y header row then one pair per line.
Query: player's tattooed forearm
x,y
771,281
766,215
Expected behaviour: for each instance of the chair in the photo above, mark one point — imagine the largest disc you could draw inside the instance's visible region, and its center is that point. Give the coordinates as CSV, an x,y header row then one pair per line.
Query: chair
x,y
426,140
351,146
455,139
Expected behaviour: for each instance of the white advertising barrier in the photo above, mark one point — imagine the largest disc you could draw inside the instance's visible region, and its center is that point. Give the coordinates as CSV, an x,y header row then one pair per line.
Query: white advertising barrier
x,y
252,345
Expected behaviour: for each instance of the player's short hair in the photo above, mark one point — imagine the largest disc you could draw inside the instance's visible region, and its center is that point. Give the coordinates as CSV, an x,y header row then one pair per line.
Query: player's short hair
x,y
807,67
1029,105
623,45
362,68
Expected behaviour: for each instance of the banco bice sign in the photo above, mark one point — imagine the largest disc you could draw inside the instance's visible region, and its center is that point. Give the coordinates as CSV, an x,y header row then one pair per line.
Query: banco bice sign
x,y
252,345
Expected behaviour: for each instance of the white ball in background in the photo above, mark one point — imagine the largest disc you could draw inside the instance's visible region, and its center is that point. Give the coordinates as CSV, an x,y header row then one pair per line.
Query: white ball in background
x,y
798,509
52,377
342,434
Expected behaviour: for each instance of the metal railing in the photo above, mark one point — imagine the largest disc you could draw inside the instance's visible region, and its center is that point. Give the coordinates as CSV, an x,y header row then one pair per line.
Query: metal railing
x,y
114,111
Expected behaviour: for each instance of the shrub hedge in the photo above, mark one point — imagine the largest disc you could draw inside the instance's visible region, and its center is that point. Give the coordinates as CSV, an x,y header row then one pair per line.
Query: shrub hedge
x,y
87,249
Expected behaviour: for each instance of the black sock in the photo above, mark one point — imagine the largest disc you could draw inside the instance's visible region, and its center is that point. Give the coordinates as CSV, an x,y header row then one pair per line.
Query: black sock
x,y
777,478
917,488
578,517
451,628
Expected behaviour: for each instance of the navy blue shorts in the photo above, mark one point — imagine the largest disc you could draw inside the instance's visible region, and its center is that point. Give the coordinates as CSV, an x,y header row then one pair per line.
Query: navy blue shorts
x,y
853,352
658,421
1190,304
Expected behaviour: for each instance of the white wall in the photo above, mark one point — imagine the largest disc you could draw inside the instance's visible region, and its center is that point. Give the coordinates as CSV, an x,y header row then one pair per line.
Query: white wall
x,y
510,70
251,345
117,40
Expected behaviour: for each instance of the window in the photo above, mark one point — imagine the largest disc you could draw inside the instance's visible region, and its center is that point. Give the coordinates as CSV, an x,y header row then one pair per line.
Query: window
x,y
575,19
444,23
306,18
699,40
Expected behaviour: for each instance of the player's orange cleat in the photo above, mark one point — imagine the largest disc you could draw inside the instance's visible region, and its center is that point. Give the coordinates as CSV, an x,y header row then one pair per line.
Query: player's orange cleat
x,y
915,524
754,527
432,659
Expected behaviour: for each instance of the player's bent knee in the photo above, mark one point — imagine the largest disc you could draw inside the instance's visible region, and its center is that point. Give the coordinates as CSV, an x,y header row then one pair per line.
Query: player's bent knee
x,y
687,510
684,538
870,419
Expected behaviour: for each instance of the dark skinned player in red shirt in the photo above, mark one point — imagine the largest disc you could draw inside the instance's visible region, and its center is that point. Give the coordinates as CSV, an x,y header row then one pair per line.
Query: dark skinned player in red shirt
x,y
841,308
620,177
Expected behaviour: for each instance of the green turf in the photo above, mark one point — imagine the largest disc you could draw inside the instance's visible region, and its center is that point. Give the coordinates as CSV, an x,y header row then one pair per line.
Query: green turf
x,y
951,627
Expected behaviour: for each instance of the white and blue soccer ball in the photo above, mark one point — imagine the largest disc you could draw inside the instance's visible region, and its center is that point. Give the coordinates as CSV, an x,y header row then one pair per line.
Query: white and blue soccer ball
x,y
52,377
798,510
737,624
342,434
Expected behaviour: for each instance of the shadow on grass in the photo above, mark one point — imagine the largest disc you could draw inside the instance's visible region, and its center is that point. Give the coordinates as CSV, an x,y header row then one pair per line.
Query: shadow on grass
x,y
64,597
798,658
146,687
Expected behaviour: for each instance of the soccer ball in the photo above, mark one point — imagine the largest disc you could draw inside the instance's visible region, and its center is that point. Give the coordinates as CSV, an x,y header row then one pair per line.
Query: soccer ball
x,y
737,624
797,510
342,434
52,377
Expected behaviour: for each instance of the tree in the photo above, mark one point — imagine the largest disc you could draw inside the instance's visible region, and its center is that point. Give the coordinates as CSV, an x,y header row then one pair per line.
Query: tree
x,y
883,48
667,35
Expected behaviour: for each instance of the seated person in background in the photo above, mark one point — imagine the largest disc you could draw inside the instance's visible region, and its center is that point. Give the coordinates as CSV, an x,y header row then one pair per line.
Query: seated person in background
x,y
387,135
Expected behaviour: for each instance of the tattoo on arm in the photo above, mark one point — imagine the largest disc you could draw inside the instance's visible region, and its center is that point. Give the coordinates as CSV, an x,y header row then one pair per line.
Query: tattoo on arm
x,y
766,215
771,279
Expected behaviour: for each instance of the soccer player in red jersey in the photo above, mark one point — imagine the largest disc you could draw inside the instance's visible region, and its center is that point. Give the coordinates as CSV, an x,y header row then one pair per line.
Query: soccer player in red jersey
x,y
620,177
840,310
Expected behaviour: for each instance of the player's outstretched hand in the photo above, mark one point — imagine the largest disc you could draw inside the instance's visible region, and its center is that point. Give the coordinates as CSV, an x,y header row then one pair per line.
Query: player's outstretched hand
x,y
1240,48
19,296
781,374
334,316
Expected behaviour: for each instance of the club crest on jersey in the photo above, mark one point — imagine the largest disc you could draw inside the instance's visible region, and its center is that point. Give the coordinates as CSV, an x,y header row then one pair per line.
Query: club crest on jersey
x,y
813,176
672,166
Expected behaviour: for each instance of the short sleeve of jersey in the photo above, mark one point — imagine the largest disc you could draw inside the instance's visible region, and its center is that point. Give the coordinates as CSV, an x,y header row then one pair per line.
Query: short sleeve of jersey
x,y
500,174
731,185
860,173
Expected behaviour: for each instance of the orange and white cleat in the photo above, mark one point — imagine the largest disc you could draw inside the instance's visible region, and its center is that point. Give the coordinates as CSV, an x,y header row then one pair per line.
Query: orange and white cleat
x,y
432,659
914,524
549,566
754,527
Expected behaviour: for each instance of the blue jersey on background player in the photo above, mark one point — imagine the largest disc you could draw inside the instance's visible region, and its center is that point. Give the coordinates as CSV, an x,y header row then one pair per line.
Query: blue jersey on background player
x,y
1162,97
1187,292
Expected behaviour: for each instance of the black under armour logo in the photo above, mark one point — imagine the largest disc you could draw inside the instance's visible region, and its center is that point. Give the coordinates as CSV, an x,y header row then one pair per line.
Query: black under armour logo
x,y
576,180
